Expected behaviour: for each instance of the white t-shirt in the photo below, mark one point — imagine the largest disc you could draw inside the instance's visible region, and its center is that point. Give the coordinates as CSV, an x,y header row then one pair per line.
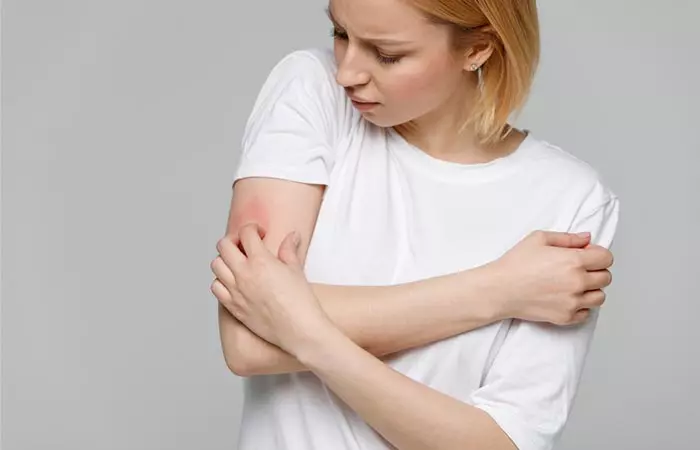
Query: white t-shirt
x,y
392,214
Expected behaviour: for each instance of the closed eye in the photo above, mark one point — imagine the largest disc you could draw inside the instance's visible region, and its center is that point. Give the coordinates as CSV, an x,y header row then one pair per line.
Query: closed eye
x,y
384,59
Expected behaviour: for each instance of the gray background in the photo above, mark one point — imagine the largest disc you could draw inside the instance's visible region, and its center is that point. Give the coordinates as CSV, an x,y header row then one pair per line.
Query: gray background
x,y
121,128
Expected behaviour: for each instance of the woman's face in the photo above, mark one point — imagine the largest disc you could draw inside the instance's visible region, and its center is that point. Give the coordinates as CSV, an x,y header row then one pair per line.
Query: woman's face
x,y
387,52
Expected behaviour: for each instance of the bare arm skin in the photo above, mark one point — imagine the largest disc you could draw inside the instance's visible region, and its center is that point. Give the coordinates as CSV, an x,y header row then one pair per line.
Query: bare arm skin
x,y
388,319
382,320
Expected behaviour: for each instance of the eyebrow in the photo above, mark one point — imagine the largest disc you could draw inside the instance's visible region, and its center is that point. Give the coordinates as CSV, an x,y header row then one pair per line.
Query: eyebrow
x,y
375,41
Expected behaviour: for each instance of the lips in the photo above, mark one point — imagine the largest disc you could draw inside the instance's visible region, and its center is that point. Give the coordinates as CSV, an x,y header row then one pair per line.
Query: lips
x,y
359,100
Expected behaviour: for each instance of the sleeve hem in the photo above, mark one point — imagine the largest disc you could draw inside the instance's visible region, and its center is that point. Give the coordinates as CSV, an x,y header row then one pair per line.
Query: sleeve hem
x,y
610,199
518,432
283,173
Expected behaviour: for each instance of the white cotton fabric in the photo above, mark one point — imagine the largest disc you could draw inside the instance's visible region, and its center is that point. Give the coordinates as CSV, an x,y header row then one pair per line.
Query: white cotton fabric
x,y
391,214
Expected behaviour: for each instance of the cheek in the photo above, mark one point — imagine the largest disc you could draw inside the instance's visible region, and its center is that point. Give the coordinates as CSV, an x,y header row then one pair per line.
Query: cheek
x,y
411,88
420,89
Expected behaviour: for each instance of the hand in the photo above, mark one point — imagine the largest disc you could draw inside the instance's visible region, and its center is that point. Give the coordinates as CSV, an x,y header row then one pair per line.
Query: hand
x,y
269,295
553,277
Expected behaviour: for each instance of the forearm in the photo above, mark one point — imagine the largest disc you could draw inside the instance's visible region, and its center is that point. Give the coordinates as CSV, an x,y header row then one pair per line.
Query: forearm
x,y
247,354
382,320
409,414
388,319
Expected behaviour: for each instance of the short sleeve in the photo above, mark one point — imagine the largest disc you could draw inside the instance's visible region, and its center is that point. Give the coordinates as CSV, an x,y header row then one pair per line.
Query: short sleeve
x,y
290,131
530,388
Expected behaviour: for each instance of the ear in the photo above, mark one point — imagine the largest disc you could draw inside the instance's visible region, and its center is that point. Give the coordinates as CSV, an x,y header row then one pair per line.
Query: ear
x,y
477,55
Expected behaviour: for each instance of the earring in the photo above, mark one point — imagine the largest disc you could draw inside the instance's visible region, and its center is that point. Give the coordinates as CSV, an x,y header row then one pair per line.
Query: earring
x,y
474,67
480,77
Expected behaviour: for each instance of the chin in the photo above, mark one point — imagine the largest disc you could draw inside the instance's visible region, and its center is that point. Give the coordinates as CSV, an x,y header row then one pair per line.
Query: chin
x,y
381,122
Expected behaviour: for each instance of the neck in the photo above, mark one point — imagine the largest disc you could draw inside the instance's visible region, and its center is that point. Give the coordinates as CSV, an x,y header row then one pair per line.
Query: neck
x,y
437,133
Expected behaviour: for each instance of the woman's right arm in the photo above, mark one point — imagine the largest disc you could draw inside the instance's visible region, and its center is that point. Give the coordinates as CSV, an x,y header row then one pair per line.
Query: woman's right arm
x,y
288,150
388,319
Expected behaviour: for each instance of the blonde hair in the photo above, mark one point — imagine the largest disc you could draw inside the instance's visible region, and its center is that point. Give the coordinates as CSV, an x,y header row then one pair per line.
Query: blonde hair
x,y
511,27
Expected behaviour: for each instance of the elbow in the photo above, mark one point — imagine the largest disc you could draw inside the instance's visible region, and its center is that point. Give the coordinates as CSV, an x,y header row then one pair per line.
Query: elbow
x,y
239,367
238,364
238,360
243,363
235,345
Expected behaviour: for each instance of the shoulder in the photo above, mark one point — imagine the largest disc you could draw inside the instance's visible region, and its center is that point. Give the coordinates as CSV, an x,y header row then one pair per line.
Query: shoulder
x,y
570,175
310,69
305,80
314,62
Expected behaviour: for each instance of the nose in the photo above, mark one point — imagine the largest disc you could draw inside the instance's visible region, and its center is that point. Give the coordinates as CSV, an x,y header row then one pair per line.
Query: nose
x,y
351,70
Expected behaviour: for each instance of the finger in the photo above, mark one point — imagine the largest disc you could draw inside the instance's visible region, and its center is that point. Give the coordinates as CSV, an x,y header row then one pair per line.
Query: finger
x,y
251,242
598,279
223,273
231,254
288,250
567,240
236,238
596,257
592,299
220,292
226,299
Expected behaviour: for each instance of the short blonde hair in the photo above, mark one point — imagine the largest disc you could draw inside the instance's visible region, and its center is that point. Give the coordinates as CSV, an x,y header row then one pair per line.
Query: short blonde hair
x,y
512,28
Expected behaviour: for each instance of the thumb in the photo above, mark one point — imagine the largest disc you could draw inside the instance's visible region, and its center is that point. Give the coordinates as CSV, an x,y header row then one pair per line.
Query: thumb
x,y
570,240
288,249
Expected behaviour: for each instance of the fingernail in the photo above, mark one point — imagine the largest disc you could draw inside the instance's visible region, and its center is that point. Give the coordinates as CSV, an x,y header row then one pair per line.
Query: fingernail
x,y
584,234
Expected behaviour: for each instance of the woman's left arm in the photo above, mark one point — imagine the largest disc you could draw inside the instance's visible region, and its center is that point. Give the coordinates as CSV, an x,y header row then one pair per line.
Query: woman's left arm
x,y
407,413
524,400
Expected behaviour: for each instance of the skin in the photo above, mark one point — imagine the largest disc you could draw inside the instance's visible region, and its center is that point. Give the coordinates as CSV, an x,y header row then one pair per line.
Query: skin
x,y
421,96
542,278
277,303
425,95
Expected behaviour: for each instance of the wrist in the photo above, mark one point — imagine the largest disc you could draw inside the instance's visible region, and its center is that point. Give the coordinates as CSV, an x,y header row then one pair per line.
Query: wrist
x,y
319,347
311,339
490,284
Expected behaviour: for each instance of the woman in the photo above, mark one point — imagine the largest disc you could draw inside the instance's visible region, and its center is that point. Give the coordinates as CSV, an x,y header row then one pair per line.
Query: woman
x,y
440,317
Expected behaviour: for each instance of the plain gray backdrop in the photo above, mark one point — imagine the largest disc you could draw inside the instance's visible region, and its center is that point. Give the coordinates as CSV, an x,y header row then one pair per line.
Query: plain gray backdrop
x,y
121,130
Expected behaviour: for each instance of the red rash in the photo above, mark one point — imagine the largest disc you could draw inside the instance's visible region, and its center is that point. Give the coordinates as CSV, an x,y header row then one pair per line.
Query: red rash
x,y
253,211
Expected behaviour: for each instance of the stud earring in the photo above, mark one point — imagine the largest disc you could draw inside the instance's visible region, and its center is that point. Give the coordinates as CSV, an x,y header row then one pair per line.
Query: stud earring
x,y
474,67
